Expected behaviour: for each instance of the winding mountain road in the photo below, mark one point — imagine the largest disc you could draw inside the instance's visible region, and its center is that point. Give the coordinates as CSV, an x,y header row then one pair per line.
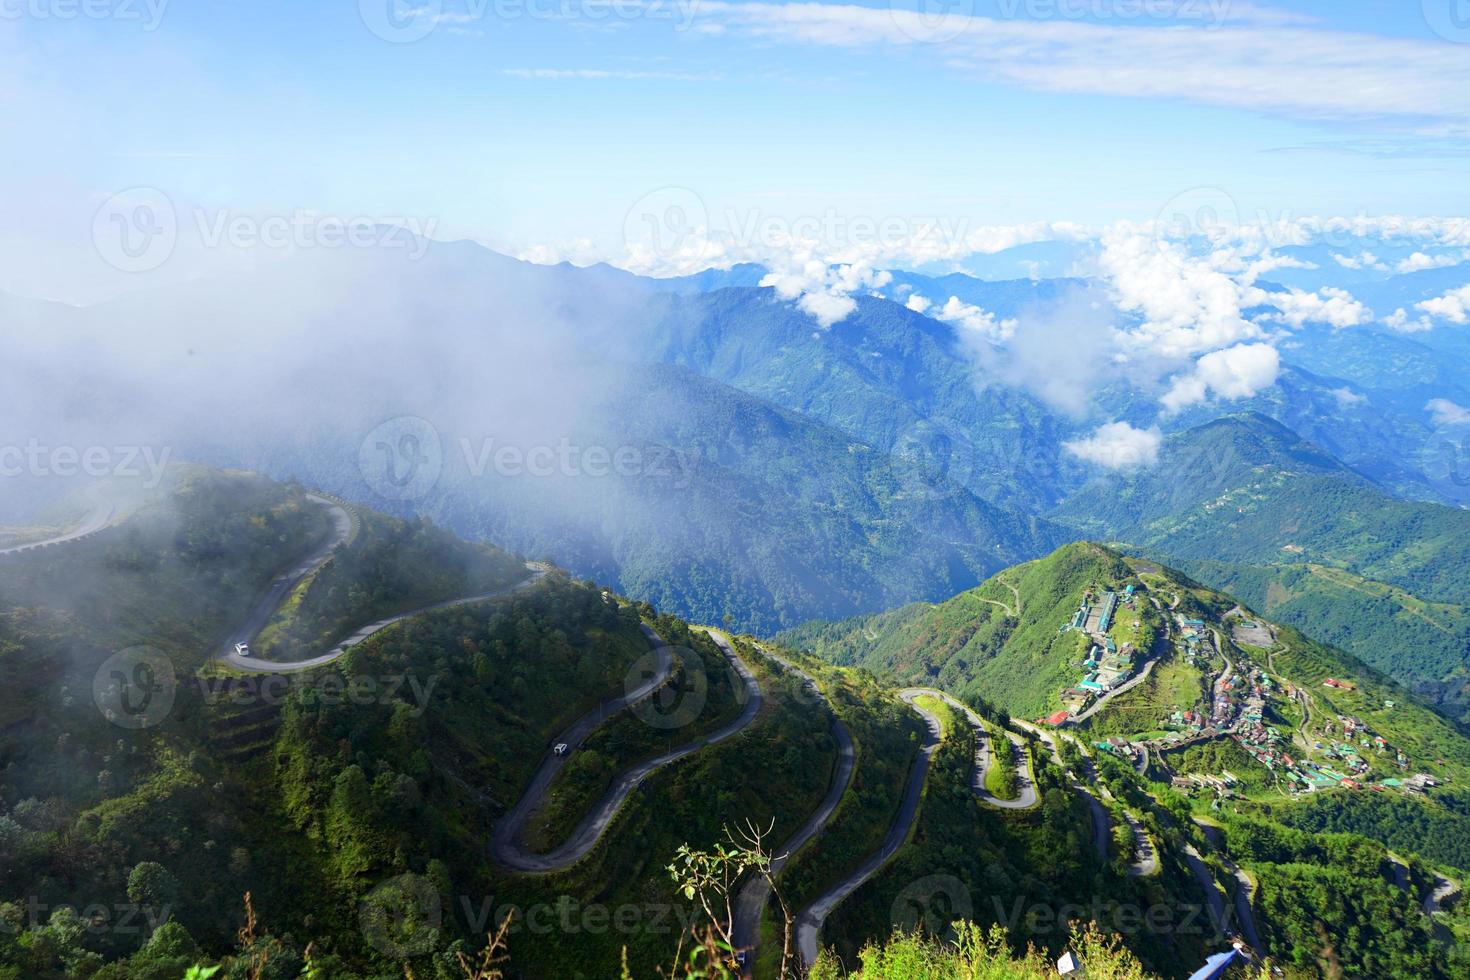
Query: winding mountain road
x,y
1101,824
505,848
280,590
98,518
1026,795
751,901
810,921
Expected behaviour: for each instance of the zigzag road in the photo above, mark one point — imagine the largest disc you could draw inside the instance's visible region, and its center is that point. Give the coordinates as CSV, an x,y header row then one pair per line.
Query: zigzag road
x,y
1026,796
751,901
343,529
1101,825
809,923
98,518
504,846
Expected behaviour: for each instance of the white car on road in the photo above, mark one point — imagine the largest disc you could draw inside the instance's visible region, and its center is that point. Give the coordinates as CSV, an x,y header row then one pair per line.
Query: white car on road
x,y
242,649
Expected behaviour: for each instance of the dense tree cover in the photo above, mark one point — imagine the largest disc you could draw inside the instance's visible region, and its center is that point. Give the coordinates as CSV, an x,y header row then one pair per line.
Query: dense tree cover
x,y
1034,872
1440,833
1327,905
885,734
390,566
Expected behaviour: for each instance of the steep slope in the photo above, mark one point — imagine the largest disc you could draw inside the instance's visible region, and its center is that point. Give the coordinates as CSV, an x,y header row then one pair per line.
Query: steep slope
x,y
997,643
1245,489
885,375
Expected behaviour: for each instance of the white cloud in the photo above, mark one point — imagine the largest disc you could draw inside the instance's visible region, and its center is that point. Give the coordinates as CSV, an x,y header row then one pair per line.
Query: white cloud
x,y
822,291
1446,412
1186,304
1401,321
918,303
1420,261
1309,73
1333,306
1346,397
975,319
1118,446
1236,372
1453,306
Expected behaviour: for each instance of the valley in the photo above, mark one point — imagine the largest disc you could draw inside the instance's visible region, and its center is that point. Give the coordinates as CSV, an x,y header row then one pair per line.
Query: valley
x,y
1137,783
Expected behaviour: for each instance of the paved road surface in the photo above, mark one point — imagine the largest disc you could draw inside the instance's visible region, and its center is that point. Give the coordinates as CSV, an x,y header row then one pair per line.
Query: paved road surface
x,y
1101,824
1443,889
1026,795
1213,900
504,847
809,923
1146,862
280,589
753,897
257,666
1127,685
100,516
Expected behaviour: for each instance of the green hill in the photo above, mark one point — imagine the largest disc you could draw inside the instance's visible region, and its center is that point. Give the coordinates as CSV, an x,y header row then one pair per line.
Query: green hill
x,y
978,644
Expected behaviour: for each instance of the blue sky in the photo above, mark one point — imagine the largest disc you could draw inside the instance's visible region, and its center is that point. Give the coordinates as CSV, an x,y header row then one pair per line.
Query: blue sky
x,y
542,122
